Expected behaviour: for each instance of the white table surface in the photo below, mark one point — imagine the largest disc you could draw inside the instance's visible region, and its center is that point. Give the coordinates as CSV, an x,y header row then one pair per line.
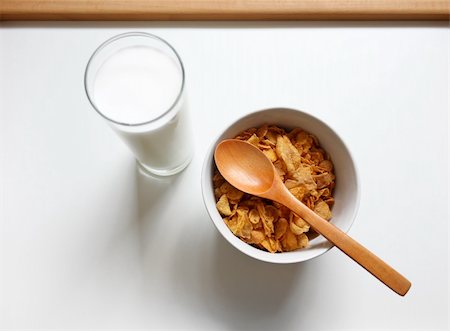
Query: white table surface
x,y
87,242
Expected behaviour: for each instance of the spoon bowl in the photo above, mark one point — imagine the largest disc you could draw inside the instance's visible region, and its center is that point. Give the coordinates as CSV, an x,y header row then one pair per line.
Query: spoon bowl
x,y
254,173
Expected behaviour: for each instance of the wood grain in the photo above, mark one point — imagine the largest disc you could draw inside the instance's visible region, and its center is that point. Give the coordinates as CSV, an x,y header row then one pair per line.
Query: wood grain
x,y
63,10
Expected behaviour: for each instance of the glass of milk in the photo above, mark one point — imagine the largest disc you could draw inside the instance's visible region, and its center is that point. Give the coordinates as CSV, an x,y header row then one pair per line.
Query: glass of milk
x,y
136,82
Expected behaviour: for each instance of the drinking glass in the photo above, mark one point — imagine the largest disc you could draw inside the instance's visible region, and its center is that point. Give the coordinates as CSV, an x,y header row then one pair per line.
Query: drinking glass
x,y
136,82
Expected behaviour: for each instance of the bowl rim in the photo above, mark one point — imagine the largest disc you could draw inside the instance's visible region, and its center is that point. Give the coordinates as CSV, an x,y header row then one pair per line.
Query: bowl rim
x,y
230,237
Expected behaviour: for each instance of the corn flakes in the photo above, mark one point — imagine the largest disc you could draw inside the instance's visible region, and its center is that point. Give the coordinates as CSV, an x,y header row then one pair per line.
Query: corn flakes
x,y
307,172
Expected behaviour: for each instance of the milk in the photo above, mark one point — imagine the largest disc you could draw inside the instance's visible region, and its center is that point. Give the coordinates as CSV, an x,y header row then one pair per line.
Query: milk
x,y
139,84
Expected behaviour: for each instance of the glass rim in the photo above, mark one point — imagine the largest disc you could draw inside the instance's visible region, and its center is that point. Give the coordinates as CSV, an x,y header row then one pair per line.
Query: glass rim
x,y
122,36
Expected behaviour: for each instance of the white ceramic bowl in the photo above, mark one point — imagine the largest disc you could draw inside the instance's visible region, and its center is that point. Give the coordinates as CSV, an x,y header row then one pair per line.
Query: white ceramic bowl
x,y
346,193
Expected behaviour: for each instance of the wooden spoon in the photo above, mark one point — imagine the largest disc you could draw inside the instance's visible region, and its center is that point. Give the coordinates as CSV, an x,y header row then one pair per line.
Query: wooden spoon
x,y
245,167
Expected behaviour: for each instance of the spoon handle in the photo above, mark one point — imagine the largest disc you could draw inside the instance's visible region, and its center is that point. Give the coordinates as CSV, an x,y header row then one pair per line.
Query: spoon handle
x,y
365,258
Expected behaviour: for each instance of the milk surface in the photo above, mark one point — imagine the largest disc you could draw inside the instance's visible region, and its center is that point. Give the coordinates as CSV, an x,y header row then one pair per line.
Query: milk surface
x,y
139,84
